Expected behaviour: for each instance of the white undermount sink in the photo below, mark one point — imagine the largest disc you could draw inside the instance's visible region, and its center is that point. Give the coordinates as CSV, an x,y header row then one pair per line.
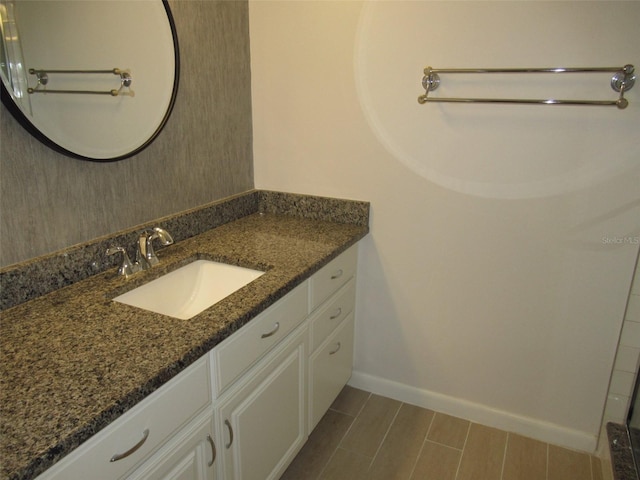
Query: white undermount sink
x,y
189,290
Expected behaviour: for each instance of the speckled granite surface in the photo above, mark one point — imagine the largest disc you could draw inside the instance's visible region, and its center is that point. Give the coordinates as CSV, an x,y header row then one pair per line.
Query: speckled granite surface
x,y
72,360
39,276
620,448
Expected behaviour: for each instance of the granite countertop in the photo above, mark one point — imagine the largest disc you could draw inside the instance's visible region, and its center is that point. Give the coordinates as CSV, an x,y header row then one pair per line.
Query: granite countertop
x,y
622,463
72,361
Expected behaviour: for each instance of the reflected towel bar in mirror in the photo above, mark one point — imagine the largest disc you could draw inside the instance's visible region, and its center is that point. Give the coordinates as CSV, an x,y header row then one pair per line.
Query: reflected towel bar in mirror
x,y
43,79
84,41
622,81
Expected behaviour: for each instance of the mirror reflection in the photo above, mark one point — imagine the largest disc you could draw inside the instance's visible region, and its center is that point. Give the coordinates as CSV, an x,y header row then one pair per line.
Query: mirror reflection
x,y
94,80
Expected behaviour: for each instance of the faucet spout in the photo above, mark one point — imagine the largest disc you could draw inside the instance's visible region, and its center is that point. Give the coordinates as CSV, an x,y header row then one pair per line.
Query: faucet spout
x,y
146,256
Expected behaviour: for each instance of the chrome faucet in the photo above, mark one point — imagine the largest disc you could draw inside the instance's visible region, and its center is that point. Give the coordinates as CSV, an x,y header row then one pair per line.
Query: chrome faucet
x,y
145,255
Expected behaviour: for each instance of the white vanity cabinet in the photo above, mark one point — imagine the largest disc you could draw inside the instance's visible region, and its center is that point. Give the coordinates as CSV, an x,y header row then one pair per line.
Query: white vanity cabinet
x,y
244,410
177,414
190,455
261,420
272,390
260,385
265,412
332,291
236,354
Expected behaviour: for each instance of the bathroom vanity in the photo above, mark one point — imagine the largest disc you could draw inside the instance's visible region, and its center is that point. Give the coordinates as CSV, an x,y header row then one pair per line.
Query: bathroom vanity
x,y
104,390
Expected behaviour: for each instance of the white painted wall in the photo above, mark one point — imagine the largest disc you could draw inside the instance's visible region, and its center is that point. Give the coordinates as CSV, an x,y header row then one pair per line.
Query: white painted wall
x,y
503,238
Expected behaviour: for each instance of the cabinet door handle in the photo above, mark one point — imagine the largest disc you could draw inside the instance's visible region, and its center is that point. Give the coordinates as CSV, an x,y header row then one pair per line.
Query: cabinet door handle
x,y
336,350
120,456
337,314
213,450
338,274
228,445
275,329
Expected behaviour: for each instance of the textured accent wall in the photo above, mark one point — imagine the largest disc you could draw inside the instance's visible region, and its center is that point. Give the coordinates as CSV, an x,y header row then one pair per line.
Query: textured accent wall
x,y
49,202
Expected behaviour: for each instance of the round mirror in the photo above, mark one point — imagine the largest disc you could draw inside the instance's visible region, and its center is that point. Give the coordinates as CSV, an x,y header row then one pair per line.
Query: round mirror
x,y
93,80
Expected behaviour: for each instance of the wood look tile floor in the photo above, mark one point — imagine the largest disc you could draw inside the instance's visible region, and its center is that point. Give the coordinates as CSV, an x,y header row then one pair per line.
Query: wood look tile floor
x,y
368,437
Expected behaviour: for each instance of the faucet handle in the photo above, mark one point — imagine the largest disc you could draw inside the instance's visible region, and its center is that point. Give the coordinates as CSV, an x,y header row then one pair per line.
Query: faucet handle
x,y
127,268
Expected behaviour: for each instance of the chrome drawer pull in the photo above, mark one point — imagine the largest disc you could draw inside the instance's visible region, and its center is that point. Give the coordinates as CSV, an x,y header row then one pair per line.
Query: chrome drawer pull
x,y
213,450
337,314
120,456
336,350
275,329
226,422
338,274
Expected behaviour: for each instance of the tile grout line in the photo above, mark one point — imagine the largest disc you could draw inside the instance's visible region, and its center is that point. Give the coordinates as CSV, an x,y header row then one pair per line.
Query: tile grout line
x,y
354,419
329,459
384,437
424,442
359,410
504,456
462,452
547,465
343,437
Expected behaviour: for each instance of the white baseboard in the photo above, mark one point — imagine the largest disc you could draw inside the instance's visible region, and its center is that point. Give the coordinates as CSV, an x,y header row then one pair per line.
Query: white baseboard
x,y
475,412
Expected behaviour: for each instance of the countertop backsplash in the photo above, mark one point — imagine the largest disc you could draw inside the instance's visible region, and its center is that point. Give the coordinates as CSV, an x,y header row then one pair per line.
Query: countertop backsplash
x,y
27,280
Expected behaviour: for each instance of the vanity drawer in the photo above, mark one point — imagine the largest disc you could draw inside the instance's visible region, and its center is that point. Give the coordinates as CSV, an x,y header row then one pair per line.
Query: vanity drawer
x,y
331,313
241,350
332,276
329,370
160,415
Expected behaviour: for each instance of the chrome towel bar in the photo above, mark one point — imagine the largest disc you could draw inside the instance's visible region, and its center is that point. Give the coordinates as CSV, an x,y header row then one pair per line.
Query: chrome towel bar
x,y
43,79
622,81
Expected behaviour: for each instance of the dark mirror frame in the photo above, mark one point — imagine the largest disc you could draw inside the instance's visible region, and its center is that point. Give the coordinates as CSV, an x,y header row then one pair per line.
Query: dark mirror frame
x,y
17,113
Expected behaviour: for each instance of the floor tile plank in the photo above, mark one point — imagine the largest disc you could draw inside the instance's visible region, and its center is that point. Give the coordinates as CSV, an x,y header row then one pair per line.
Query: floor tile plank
x,y
449,431
371,425
483,454
437,462
596,468
525,459
320,446
567,464
346,465
350,400
399,451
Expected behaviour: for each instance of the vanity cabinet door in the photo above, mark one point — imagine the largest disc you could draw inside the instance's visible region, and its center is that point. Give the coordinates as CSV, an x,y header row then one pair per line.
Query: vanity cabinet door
x,y
190,455
261,420
329,370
